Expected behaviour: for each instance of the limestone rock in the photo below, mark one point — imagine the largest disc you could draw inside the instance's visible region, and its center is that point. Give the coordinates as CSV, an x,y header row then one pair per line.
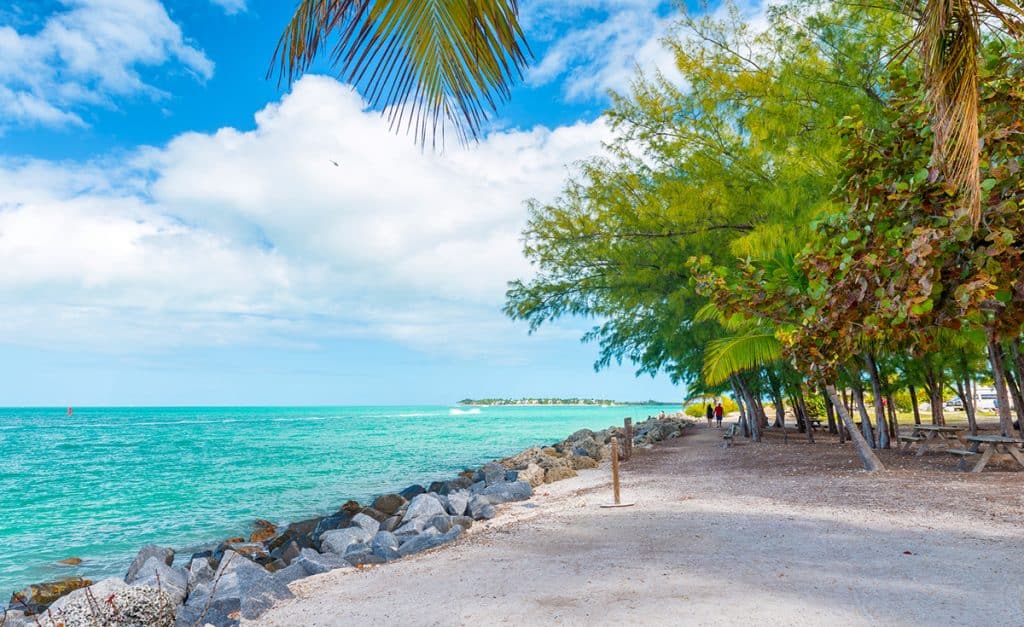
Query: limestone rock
x,y
558,473
37,597
100,590
582,463
131,606
532,474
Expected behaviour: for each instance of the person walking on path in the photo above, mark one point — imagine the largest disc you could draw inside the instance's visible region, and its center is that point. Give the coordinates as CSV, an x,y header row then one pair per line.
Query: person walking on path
x,y
710,414
718,414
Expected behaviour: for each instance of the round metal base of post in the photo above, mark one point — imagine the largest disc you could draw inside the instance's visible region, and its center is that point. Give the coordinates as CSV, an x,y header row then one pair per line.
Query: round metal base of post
x,y
613,505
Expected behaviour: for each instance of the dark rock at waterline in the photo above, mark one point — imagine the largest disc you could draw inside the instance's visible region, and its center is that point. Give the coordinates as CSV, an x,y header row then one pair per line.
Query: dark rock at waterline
x,y
435,486
351,508
330,523
242,590
35,598
410,492
286,553
511,475
459,483
423,542
165,555
389,503
206,556
374,514
299,532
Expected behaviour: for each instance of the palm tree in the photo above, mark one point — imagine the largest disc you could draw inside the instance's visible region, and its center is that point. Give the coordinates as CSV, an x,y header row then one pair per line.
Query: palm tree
x,y
429,64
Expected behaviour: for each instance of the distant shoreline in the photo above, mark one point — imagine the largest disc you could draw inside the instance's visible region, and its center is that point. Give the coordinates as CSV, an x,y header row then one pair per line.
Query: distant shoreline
x,y
560,403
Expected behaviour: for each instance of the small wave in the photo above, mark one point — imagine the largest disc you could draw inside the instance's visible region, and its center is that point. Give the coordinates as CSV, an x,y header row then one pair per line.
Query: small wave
x,y
414,415
462,412
302,419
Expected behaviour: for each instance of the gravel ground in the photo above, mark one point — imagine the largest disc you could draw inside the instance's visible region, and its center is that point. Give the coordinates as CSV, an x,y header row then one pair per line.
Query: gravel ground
x,y
772,533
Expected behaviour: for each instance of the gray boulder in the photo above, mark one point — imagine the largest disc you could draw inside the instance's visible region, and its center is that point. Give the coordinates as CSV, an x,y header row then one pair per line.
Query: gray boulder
x,y
156,574
508,492
242,587
423,506
385,545
462,521
200,573
286,553
367,523
293,572
587,447
493,473
440,522
391,523
457,502
477,487
165,555
339,520
580,435
339,540
423,542
480,508
316,563
456,484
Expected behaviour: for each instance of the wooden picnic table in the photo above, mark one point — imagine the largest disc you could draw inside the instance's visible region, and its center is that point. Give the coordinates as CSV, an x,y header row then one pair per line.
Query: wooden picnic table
x,y
927,436
994,444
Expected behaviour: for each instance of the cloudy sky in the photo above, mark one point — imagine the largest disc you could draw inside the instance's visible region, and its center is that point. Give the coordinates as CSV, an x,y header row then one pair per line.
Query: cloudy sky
x,y
172,229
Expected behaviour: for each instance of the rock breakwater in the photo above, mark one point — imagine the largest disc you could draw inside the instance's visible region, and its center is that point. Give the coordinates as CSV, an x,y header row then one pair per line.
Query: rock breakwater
x,y
242,577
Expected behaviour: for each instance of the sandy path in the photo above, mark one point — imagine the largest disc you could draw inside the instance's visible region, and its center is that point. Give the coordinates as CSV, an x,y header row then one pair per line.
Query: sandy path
x,y
716,537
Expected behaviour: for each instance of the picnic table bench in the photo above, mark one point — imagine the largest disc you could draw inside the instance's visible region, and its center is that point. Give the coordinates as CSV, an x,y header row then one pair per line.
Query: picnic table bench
x,y
933,436
730,433
994,444
815,423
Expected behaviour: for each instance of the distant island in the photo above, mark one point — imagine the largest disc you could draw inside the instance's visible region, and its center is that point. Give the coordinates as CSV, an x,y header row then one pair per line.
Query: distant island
x,y
486,402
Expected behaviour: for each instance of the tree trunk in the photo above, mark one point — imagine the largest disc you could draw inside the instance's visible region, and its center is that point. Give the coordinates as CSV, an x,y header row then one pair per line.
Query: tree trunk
x,y
913,401
1018,362
964,394
831,413
1015,392
933,385
867,456
857,395
803,410
739,403
894,419
881,429
995,358
754,420
776,392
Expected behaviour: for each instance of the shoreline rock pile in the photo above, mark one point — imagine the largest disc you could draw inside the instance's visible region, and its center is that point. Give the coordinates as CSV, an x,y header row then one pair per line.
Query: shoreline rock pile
x,y
241,578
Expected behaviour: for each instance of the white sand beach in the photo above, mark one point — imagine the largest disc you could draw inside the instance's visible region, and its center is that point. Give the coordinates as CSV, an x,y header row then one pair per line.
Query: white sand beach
x,y
754,534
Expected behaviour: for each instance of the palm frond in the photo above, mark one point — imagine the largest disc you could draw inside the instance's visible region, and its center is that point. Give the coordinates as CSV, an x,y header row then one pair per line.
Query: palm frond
x,y
728,356
428,64
949,38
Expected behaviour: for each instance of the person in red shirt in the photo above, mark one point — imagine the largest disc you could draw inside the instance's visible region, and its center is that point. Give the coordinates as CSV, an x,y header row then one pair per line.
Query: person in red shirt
x,y
718,414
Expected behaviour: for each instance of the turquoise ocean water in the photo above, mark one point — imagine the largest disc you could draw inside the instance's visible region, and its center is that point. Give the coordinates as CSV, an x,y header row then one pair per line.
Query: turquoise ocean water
x,y
101,483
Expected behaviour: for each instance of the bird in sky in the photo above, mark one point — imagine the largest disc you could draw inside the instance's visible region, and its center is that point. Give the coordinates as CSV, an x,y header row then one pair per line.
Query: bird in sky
x,y
334,162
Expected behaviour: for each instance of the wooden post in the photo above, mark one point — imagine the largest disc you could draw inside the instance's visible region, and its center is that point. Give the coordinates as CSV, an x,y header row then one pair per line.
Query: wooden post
x,y
615,469
629,439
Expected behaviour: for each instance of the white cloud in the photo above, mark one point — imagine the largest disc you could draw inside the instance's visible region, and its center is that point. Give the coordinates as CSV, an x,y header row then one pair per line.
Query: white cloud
x,y
596,45
255,236
231,7
86,55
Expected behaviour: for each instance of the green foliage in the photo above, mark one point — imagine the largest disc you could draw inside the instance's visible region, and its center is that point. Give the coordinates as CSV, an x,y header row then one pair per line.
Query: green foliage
x,y
699,410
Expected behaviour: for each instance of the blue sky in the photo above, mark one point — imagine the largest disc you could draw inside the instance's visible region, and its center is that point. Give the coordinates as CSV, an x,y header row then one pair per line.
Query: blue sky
x,y
172,230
